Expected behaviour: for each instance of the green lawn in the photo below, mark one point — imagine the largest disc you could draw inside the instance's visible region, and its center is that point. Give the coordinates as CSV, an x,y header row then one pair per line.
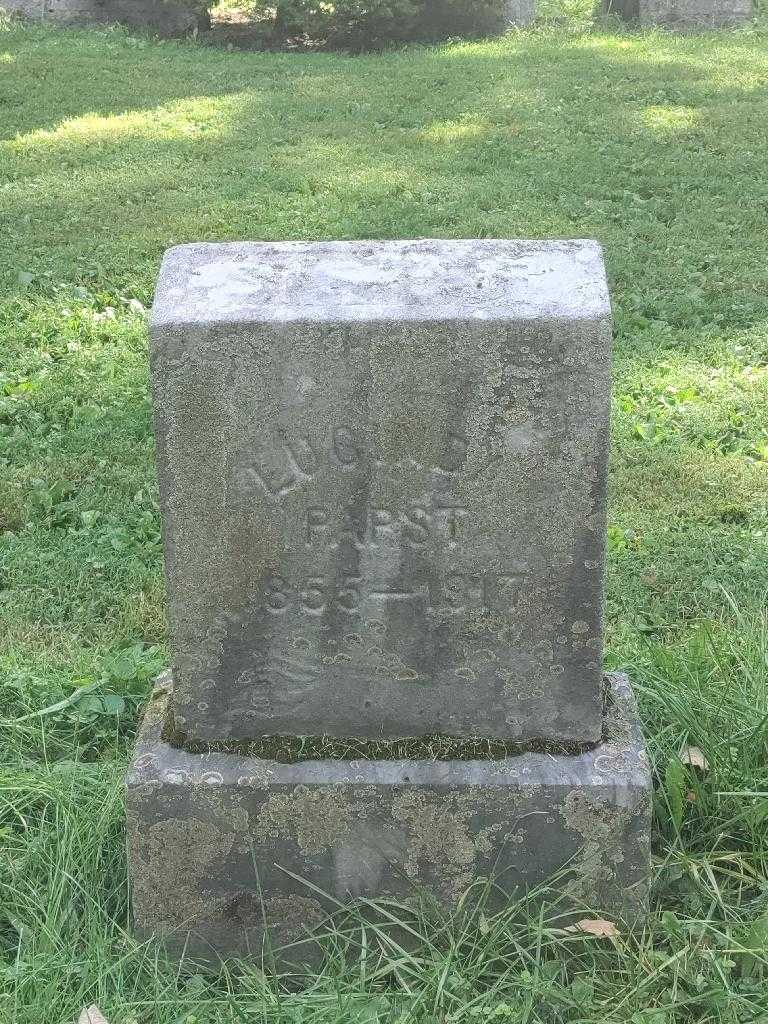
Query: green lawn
x,y
114,148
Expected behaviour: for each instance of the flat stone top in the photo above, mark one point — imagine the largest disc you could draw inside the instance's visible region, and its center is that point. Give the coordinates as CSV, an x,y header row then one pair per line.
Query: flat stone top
x,y
389,281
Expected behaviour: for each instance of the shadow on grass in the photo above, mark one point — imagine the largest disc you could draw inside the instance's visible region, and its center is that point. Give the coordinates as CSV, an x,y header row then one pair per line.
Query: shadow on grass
x,y
654,145
655,150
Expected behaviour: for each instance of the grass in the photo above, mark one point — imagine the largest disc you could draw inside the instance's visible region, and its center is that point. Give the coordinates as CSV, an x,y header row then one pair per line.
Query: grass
x,y
115,147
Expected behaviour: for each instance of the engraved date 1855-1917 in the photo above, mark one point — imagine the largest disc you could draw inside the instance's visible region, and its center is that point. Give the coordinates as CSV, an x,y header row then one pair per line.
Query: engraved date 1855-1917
x,y
456,594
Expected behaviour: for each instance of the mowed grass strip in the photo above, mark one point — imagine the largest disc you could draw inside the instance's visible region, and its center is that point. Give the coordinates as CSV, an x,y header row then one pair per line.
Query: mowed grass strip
x,y
113,148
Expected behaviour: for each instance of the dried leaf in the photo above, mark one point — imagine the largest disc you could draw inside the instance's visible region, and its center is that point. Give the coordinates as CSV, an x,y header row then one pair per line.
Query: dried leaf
x,y
602,929
694,757
91,1015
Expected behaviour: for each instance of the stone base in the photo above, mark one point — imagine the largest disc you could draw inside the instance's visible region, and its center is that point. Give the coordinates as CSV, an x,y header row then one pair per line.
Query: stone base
x,y
684,14
223,846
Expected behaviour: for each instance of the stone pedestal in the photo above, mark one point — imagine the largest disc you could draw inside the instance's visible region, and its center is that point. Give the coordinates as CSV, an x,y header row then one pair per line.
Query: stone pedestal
x,y
684,14
222,844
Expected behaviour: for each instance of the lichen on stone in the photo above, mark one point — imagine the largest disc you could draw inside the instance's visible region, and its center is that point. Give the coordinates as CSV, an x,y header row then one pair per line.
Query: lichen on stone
x,y
440,836
602,826
290,916
316,819
171,860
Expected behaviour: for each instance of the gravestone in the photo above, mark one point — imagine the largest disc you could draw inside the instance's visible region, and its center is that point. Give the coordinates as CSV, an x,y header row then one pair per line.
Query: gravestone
x,y
519,12
683,14
382,471
164,17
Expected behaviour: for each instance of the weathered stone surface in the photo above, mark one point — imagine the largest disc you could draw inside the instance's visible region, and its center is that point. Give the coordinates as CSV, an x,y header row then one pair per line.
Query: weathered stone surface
x,y
382,470
215,840
683,13
165,17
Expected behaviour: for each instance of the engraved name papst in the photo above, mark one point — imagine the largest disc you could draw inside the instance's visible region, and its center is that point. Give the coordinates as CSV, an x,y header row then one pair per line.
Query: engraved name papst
x,y
351,534
385,527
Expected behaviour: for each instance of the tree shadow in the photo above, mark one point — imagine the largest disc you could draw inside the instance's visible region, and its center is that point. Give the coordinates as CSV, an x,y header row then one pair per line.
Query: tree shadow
x,y
549,135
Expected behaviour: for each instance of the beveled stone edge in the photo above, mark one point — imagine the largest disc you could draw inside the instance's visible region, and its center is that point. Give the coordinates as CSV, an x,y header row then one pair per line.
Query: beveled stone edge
x,y
620,755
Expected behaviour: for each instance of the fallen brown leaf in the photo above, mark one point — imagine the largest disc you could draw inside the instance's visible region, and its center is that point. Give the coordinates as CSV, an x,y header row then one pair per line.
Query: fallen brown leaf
x,y
602,929
91,1015
694,757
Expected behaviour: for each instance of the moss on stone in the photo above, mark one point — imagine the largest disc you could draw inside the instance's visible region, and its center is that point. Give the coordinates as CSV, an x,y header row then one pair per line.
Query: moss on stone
x,y
293,749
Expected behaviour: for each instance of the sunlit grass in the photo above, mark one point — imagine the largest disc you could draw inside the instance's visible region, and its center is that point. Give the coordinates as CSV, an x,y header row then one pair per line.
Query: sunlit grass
x,y
670,120
97,134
